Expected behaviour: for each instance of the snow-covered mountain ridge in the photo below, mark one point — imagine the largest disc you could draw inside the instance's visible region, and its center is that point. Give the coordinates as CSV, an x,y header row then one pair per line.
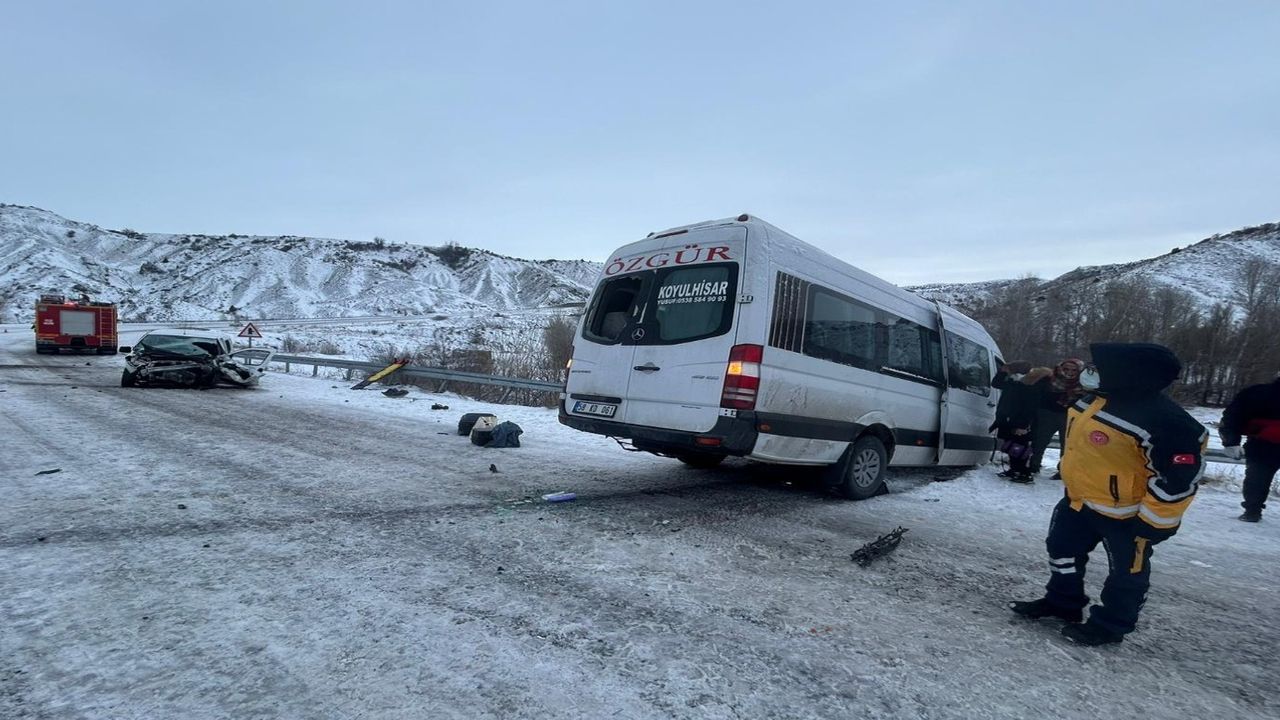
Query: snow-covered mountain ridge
x,y
1210,270
154,276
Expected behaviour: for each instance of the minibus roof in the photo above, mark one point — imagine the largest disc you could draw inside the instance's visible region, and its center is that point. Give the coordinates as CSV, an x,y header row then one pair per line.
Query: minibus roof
x,y
783,242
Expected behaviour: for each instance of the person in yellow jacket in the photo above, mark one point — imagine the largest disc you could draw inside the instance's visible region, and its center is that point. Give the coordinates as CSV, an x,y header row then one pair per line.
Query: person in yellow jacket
x,y
1131,463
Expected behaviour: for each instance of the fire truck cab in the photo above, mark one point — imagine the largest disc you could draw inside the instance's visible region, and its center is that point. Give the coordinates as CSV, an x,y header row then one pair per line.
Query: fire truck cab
x,y
82,326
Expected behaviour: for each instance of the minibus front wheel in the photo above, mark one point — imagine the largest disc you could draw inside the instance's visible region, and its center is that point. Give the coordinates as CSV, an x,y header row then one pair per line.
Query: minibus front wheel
x,y
862,469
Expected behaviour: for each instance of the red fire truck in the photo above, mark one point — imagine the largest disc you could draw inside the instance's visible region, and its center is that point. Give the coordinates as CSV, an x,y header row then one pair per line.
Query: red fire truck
x,y
80,326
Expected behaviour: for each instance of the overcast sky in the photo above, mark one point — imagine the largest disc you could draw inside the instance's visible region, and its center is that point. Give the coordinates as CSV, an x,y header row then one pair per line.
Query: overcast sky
x,y
947,141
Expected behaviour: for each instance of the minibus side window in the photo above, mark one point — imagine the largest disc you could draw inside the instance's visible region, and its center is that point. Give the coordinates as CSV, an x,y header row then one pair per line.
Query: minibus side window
x,y
933,356
968,365
790,296
844,331
913,350
614,308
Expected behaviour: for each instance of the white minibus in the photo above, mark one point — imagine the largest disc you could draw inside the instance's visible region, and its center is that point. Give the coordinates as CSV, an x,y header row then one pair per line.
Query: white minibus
x,y
732,337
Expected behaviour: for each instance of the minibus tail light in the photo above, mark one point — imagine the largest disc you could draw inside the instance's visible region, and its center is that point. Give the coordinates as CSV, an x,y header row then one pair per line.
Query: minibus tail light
x,y
742,377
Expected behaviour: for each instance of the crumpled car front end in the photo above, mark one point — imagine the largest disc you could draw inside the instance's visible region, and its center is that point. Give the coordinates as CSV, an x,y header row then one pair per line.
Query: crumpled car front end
x,y
178,361
144,370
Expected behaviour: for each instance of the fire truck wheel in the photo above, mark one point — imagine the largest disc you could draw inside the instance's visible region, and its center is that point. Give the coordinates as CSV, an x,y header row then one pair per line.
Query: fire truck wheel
x,y
128,379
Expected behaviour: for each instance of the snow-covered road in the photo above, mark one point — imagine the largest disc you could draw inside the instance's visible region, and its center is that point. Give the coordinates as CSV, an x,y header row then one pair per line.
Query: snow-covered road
x,y
304,551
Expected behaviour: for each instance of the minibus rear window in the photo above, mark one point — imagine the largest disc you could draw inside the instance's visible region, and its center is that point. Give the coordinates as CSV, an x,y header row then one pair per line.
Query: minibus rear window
x,y
664,306
691,303
616,303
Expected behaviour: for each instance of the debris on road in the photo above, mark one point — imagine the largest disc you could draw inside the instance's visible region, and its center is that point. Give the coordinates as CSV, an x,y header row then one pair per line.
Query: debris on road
x,y
505,435
468,421
482,431
878,548
384,372
438,406
395,392
493,468
558,497
49,472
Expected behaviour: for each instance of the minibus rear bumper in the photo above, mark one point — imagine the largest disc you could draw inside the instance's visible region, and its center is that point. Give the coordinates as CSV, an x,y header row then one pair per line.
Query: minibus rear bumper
x,y
729,436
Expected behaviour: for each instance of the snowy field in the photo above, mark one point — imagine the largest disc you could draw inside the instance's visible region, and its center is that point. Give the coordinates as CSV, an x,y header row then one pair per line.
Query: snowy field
x,y
301,550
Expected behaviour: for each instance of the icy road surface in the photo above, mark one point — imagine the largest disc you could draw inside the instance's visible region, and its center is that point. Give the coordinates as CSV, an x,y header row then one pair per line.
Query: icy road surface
x,y
305,551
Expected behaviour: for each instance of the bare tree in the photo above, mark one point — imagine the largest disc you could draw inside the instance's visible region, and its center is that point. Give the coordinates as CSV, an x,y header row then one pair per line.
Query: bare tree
x,y
557,340
1256,354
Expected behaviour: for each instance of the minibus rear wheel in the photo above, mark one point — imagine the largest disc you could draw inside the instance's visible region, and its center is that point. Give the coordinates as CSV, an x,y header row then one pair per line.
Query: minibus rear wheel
x,y
700,460
862,468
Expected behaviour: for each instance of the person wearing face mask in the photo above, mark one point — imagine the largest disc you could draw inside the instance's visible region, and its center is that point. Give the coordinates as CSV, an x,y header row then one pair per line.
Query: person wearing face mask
x,y
1131,464
1254,413
1058,389
1015,418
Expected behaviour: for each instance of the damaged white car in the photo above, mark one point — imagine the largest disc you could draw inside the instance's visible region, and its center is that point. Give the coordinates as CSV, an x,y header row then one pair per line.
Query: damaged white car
x,y
191,358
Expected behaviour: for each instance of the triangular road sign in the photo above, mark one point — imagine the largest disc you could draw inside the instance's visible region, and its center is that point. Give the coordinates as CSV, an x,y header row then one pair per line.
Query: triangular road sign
x,y
250,331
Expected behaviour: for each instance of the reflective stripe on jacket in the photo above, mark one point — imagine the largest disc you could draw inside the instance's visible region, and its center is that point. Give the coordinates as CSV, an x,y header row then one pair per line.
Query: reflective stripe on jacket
x,y
1138,457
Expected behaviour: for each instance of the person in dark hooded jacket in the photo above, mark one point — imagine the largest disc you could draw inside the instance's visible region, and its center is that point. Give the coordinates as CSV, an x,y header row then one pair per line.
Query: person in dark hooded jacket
x,y
1015,418
1254,413
1058,388
1131,464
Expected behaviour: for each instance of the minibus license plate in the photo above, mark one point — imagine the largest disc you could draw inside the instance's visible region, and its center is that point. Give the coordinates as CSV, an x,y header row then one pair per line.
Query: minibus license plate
x,y
590,408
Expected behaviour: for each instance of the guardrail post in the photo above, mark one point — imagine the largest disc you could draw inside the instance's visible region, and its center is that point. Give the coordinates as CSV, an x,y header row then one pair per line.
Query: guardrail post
x,y
349,373
443,384
315,370
286,367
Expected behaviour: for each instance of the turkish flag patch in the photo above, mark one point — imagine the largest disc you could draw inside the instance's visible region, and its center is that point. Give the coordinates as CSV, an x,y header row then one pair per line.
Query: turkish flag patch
x,y
1184,459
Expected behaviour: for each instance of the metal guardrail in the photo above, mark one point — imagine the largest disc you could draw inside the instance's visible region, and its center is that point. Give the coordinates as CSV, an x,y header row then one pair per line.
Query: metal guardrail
x,y
445,376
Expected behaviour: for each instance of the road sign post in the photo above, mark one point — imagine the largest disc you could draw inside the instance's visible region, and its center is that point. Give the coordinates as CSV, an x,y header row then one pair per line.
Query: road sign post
x,y
250,331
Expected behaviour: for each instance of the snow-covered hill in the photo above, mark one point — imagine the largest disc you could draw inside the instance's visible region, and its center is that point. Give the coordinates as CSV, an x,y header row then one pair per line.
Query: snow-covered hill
x,y
165,277
1210,270
188,277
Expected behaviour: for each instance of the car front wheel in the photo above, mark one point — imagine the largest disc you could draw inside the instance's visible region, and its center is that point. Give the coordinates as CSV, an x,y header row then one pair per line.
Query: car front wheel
x,y
128,379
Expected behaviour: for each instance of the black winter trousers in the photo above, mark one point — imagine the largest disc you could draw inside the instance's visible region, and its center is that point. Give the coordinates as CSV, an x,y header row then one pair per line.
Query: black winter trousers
x,y
1073,534
1048,422
1261,463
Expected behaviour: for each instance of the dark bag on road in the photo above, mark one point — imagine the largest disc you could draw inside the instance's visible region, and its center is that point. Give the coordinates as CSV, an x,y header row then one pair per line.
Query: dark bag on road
x,y
505,435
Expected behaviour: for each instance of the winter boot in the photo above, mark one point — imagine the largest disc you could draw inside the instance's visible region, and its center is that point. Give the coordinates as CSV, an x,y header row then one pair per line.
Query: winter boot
x,y
1251,516
1041,608
1090,634
1056,476
1005,473
1021,478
